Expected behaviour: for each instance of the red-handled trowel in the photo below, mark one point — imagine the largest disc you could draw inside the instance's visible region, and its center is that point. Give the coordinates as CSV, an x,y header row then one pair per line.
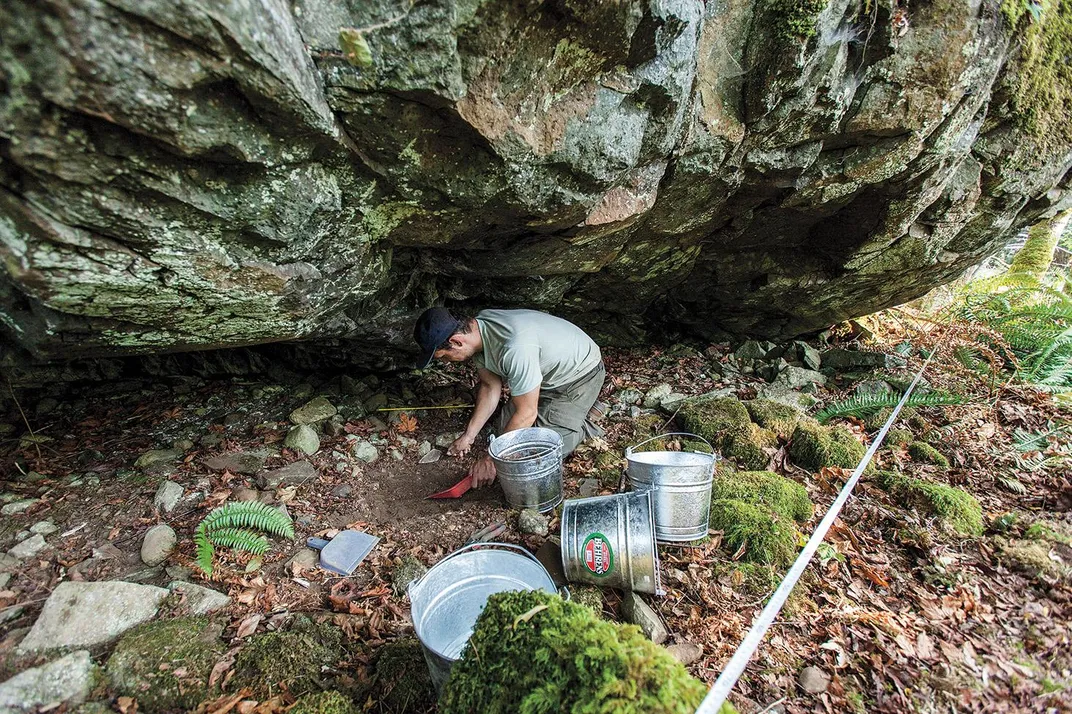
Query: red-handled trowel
x,y
457,490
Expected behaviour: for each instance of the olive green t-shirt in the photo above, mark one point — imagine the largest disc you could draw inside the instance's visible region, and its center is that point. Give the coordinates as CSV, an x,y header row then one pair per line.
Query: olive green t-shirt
x,y
531,349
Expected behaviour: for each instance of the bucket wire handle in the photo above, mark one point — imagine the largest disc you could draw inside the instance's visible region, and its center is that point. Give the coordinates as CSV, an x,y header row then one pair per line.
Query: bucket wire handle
x,y
475,546
629,449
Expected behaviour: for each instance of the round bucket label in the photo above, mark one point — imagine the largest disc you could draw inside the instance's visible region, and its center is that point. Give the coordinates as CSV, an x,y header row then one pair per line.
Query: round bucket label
x,y
598,556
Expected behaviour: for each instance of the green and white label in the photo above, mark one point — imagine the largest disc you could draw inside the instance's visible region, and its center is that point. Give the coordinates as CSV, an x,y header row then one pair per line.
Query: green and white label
x,y
598,556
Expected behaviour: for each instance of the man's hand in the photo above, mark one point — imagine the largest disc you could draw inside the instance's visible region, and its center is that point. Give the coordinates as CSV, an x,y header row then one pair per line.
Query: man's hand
x,y
461,445
483,472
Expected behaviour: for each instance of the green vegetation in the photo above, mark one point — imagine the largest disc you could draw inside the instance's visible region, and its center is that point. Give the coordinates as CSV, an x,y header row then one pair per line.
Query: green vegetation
x,y
402,678
1035,257
1042,91
814,446
230,526
296,658
532,652
1033,557
899,437
324,703
1049,531
165,665
779,418
863,405
783,496
725,423
763,536
926,454
796,19
753,447
955,507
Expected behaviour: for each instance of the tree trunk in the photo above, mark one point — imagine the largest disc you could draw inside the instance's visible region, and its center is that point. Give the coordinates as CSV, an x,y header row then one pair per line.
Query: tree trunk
x,y
1035,257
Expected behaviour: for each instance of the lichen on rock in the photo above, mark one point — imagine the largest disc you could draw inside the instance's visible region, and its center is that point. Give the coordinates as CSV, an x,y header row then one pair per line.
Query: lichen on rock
x,y
534,652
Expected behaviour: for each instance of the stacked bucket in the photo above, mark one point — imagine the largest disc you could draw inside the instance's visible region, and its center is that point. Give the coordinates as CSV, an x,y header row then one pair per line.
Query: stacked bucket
x,y
607,541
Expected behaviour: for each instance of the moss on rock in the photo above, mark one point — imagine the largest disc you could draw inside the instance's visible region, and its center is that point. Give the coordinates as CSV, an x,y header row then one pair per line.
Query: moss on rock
x,y
295,658
1049,531
534,652
764,536
899,437
779,418
785,497
955,507
324,703
165,664
718,419
589,596
814,446
402,680
1033,557
752,448
926,454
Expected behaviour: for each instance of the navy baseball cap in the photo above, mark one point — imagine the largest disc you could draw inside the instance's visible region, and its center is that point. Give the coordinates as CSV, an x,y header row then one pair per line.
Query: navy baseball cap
x,y
433,328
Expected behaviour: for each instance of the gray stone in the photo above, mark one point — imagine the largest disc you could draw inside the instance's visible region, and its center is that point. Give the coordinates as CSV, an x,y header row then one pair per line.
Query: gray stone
x,y
18,506
629,395
44,528
587,487
655,395
80,614
157,545
814,680
68,680
5,578
293,474
376,401
871,388
168,495
444,441
245,493
807,355
407,571
753,350
313,412
364,451
796,377
200,600
335,426
532,522
183,445
423,448
432,456
178,572
638,612
395,454
843,360
239,462
303,438
685,652
343,490
304,559
157,456
28,548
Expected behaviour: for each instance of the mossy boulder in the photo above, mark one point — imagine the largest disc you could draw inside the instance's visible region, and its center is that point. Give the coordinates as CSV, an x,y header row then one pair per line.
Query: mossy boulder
x,y
587,595
534,652
779,418
717,419
324,703
785,497
899,437
814,446
296,658
955,507
402,680
926,454
752,448
762,535
165,665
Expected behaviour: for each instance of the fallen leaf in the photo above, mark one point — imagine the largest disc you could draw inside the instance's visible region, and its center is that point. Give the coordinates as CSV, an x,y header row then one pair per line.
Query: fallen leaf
x,y
248,626
221,667
127,705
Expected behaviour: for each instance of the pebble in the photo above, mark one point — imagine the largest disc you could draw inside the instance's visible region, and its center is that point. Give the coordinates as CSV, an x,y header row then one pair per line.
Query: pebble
x,y
532,523
44,528
685,652
395,454
244,493
157,545
293,474
814,680
342,490
28,548
304,559
638,612
431,456
168,495
364,451
157,456
424,448
303,438
588,487
18,506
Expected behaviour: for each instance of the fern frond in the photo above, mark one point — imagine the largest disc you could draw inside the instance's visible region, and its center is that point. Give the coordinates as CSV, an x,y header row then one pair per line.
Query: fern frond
x,y
239,539
250,514
205,550
1012,484
863,405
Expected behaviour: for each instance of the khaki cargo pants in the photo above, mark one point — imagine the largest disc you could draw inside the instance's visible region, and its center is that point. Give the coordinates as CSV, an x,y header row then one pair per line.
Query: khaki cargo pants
x,y
565,410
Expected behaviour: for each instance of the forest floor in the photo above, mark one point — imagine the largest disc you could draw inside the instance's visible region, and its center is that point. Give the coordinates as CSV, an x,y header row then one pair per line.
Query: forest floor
x,y
897,613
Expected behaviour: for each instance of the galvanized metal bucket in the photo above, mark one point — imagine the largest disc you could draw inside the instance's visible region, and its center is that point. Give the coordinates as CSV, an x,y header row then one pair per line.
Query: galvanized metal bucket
x,y
447,600
680,482
609,541
529,466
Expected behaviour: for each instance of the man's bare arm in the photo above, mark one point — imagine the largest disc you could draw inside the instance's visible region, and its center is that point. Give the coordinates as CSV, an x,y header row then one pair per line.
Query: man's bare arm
x,y
487,401
483,471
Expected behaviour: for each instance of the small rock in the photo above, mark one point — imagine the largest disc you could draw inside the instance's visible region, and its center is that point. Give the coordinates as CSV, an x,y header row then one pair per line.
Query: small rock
x,y
314,412
376,424
293,474
5,578
179,572
588,487
807,355
395,454
872,387
28,548
376,401
842,359
342,490
814,680
7,562
407,571
239,462
431,457
182,444
635,412
44,528
157,456
797,377
751,349
305,520
444,441
532,523
157,545
18,506
68,680
233,419
245,493
629,395
210,440
304,559
424,448
685,652
655,395
335,426
168,495
638,612
303,438
200,600
364,451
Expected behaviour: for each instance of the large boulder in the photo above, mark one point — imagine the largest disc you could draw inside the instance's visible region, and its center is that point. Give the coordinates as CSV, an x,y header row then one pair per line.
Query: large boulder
x,y
759,168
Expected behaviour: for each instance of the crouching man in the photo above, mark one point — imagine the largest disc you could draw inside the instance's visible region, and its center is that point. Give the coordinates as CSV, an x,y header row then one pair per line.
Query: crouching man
x,y
553,369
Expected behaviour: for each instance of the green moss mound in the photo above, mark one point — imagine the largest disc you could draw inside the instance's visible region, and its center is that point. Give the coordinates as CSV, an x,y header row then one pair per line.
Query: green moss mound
x,y
785,497
534,653
324,703
402,680
955,507
1049,531
899,437
763,536
753,447
814,446
1033,557
926,454
165,665
295,658
1042,90
717,419
779,418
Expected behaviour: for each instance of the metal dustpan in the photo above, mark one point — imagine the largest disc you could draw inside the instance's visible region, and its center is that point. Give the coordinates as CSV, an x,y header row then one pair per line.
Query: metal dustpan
x,y
343,553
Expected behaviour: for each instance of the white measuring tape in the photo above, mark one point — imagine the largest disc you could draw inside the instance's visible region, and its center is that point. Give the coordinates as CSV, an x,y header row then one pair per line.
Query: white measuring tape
x,y
735,667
